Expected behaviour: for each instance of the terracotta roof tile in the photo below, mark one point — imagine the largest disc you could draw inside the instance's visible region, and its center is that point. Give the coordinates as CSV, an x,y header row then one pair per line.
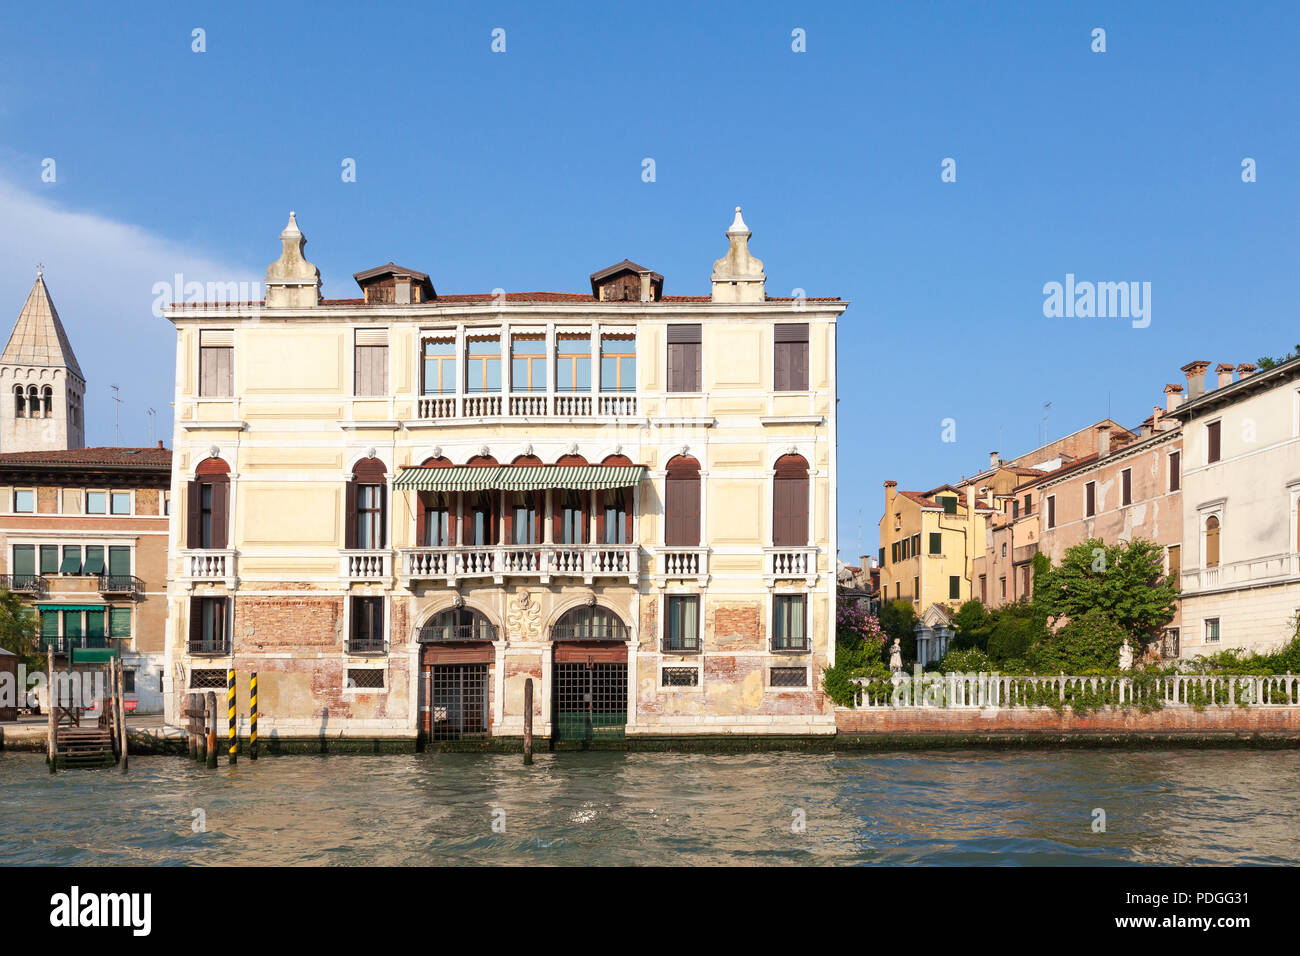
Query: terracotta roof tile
x,y
93,457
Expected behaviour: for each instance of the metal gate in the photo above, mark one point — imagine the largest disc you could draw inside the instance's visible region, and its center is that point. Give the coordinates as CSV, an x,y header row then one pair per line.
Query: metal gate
x,y
590,700
459,701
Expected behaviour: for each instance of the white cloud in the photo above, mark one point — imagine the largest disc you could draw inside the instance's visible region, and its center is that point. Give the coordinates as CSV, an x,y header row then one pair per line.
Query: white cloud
x,y
101,275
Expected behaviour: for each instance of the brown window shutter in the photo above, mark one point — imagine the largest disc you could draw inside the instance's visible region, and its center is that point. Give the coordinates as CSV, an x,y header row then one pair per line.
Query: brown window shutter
x,y
799,368
539,515
423,501
781,370
790,517
350,514
558,501
1212,432
467,518
196,620
220,498
697,383
600,517
508,524
627,515
193,514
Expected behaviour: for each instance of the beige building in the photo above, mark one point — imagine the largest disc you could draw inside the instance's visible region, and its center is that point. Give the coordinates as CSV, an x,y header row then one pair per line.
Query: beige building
x,y
1241,507
398,508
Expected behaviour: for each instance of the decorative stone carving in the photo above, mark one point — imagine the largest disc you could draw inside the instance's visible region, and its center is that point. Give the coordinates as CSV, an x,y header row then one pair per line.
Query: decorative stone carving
x,y
896,657
458,601
524,615
1125,656
370,453
437,451
214,452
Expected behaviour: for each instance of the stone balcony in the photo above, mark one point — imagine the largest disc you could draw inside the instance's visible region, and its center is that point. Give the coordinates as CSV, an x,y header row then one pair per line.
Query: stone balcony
x,y
365,565
1266,570
540,562
208,566
681,563
563,407
789,562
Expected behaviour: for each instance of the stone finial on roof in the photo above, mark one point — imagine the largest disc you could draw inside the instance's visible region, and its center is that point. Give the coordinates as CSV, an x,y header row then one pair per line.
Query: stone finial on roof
x,y
292,281
738,276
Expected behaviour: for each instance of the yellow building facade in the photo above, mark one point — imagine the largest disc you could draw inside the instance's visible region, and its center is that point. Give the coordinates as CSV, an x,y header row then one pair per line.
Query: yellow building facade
x,y
401,508
929,540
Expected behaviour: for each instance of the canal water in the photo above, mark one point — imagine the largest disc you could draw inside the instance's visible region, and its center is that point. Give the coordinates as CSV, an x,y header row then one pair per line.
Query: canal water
x,y
1020,807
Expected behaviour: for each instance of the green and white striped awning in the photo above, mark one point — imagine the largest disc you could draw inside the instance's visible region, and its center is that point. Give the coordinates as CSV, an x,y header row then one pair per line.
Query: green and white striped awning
x,y
519,478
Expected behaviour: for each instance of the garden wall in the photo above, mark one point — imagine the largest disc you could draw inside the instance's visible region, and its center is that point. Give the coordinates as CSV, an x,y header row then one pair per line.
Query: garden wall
x,y
1016,721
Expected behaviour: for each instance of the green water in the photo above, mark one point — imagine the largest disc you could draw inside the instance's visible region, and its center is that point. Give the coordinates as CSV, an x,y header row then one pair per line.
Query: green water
x,y
1024,807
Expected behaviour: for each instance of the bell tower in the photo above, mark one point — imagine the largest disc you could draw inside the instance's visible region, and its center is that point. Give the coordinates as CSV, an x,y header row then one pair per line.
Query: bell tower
x,y
42,390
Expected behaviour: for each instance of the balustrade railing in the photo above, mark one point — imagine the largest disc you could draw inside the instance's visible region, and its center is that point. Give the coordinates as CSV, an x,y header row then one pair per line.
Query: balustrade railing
x,y
529,405
982,691
358,565
208,565
541,561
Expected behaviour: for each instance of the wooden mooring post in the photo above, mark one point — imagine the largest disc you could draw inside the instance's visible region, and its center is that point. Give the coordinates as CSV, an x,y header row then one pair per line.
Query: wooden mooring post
x,y
210,721
191,743
120,711
528,721
51,690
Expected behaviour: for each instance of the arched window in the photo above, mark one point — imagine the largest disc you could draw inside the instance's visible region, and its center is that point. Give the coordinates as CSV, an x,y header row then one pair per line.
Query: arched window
x,y
20,402
48,396
33,402
207,505
614,516
590,623
790,502
367,506
480,518
435,513
458,624
1212,541
682,502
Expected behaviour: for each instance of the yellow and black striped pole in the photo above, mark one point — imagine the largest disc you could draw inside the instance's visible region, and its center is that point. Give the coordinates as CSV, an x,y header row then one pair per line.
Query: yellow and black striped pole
x,y
230,700
252,715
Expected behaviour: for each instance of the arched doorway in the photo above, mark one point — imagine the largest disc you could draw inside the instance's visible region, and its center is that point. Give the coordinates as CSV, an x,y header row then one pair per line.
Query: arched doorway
x,y
456,662
589,687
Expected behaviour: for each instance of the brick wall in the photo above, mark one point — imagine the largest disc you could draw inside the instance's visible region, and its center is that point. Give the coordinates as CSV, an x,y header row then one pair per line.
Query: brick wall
x,y
737,626
1169,720
263,623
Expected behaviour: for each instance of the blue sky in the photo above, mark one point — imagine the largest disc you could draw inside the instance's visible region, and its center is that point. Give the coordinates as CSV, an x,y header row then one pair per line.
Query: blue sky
x,y
523,170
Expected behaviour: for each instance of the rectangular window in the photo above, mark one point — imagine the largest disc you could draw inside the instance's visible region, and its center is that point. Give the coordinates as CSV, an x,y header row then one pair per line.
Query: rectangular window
x,y
984,588
71,563
1175,562
916,543
206,497
370,362
682,622
95,627
96,502
483,365
119,622
1051,511
365,678
684,358
94,559
572,362
615,519
209,625
618,363
1090,499
24,560
24,502
573,517
1029,505
916,588
1175,470
1211,630
528,363
73,625
523,519
790,623
216,363
439,372
790,356
893,553
1015,508
49,559
437,520
880,556
481,517
936,542
898,589
119,560
128,681
1212,447
954,586
121,502
1002,582
788,677
367,625
680,677
1126,486
949,504
370,532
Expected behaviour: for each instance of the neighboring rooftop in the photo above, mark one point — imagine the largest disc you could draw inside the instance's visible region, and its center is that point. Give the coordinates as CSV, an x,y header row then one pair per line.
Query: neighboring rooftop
x,y
124,458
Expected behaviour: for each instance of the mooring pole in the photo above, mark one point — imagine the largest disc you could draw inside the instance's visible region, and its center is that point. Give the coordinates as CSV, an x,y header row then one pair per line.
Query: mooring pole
x,y
121,713
51,694
232,739
190,743
528,721
210,722
252,716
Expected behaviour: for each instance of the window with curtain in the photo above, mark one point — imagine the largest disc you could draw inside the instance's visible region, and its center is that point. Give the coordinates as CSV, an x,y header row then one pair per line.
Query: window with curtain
x,y
682,622
618,363
437,520
789,623
573,518
523,518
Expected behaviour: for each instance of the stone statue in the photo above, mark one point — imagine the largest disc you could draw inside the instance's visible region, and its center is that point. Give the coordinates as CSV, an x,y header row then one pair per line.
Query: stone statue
x,y
1125,656
896,657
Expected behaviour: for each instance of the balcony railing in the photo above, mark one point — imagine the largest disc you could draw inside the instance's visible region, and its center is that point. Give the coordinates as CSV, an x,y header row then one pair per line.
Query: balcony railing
x,y
208,565
590,632
24,583
681,645
365,646
790,562
357,565
682,562
454,633
790,645
532,561
208,648
62,645
120,584
1275,567
532,406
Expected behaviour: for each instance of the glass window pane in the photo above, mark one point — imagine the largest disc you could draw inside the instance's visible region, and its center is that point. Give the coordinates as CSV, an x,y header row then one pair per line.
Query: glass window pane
x,y
96,502
121,502
25,502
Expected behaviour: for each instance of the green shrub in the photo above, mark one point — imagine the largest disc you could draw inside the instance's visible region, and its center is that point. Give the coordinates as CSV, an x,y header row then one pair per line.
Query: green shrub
x,y
1087,644
966,661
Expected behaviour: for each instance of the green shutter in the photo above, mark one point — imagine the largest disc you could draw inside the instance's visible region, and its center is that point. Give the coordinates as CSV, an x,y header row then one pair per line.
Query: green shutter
x,y
94,623
49,624
119,623
71,560
72,624
949,505
119,561
954,586
24,559
936,542
49,559
94,559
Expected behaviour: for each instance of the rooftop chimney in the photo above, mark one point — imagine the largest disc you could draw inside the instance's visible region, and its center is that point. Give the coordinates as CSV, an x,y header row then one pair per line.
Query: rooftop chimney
x,y
160,444
1195,378
738,276
1245,370
1173,397
1225,373
292,281
1103,441
993,459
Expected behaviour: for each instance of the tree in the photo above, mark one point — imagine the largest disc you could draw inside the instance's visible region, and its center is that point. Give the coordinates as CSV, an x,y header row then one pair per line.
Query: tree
x,y
1124,581
18,628
899,621
971,626
1088,643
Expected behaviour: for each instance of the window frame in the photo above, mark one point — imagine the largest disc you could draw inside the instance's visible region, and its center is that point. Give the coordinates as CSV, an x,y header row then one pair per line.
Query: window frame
x,y
785,598
13,501
619,358
689,644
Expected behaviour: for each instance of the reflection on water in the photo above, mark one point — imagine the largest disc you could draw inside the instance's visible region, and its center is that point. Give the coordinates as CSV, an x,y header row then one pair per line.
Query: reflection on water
x,y
1028,807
